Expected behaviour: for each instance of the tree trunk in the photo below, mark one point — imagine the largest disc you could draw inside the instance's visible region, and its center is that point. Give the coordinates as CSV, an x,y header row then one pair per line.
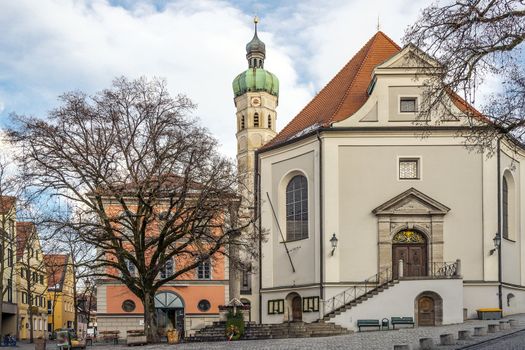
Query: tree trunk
x,y
75,321
150,318
31,323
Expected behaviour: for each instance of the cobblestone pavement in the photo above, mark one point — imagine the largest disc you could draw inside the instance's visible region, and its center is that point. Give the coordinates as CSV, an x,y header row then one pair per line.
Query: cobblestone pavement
x,y
514,341
368,340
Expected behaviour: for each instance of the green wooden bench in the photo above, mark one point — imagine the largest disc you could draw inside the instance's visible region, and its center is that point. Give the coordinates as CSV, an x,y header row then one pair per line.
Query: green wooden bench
x,y
402,320
368,323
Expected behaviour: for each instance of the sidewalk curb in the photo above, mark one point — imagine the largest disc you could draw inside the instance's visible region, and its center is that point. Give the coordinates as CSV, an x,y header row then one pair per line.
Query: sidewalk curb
x,y
491,339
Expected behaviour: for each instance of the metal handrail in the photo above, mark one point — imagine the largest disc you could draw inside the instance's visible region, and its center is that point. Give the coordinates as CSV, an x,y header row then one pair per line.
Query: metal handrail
x,y
384,276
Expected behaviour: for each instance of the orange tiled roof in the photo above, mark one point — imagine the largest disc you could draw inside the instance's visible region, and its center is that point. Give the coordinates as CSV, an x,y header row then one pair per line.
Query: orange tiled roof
x,y
23,231
56,268
345,93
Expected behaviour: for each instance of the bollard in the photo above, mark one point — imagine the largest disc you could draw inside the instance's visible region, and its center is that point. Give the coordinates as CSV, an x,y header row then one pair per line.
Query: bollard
x,y
447,339
402,347
480,331
426,343
493,328
464,335
514,323
504,325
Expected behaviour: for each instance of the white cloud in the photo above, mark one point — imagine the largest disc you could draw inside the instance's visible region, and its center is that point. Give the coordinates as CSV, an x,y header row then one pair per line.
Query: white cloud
x,y
51,46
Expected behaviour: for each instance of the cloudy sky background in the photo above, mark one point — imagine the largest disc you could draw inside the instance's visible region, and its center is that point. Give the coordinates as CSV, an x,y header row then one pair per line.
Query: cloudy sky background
x,y
48,47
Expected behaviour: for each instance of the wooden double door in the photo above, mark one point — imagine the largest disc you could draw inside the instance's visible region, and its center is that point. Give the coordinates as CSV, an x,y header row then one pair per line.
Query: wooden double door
x,y
414,258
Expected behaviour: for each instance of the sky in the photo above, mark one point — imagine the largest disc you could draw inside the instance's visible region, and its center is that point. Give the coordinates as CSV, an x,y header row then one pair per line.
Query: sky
x,y
48,47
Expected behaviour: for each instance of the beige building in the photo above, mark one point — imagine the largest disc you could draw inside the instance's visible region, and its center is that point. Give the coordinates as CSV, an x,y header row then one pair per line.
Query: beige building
x,y
355,195
31,282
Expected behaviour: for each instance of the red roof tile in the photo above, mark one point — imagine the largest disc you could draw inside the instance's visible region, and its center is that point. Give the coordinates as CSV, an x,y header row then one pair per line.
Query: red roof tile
x,y
6,203
23,232
345,93
56,267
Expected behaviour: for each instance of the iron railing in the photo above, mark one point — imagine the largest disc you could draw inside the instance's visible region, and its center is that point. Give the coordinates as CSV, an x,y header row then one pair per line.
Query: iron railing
x,y
444,269
347,296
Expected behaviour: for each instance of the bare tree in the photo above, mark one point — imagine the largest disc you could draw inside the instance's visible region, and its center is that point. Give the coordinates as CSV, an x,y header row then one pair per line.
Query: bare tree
x,y
147,183
475,41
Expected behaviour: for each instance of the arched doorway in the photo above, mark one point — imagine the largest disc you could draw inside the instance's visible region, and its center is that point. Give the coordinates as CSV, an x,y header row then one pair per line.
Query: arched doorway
x,y
429,309
295,307
170,312
411,247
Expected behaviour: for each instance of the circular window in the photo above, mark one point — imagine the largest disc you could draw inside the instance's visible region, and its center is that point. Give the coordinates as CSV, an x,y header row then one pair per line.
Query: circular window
x,y
128,305
204,305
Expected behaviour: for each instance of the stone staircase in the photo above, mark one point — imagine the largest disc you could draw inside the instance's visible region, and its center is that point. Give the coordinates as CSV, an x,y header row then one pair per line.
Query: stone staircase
x,y
358,300
252,331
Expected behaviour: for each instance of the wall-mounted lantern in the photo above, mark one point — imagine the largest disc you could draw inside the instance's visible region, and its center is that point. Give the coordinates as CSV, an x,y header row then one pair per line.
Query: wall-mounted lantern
x,y
333,241
497,243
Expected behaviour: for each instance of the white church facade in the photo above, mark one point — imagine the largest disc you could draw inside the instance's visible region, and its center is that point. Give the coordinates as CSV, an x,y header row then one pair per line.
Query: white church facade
x,y
369,215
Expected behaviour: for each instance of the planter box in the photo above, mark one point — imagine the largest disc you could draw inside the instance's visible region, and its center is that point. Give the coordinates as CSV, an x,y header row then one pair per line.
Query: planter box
x,y
489,314
40,344
136,340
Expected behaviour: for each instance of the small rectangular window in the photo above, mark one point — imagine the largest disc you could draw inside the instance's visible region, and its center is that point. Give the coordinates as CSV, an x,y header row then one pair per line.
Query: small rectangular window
x,y
275,306
409,169
204,270
310,304
408,104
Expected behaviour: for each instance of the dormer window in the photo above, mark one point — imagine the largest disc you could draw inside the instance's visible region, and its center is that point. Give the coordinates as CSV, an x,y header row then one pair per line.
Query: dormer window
x,y
408,104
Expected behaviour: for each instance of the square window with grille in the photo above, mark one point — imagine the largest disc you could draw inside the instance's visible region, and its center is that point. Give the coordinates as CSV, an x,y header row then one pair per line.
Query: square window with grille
x,y
408,104
408,169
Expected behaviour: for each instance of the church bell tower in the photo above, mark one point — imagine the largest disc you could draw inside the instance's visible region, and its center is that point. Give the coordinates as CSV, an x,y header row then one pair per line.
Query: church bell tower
x,y
256,94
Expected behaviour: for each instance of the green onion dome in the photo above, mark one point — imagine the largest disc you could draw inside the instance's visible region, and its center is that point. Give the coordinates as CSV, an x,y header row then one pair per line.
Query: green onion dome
x,y
255,79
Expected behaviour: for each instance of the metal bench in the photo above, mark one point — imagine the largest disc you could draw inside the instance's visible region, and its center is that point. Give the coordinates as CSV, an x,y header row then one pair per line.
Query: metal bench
x,y
402,320
368,323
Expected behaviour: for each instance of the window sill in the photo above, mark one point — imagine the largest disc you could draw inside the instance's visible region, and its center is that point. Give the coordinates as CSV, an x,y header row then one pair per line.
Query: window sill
x,y
294,240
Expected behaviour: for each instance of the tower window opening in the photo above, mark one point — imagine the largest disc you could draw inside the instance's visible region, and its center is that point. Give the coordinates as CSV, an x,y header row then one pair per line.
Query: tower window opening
x,y
269,121
256,120
242,122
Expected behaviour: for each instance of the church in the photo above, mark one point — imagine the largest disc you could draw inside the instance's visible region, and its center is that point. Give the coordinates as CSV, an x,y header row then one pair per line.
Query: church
x,y
368,214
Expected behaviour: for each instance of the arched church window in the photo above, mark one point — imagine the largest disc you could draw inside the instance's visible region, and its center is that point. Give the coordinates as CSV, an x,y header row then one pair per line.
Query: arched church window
x,y
269,121
505,208
297,208
242,123
256,120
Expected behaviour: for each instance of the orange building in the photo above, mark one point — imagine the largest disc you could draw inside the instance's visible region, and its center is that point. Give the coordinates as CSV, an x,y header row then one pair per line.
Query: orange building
x,y
188,303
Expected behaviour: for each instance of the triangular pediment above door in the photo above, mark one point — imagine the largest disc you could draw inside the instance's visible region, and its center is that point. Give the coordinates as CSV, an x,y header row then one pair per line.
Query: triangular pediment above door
x,y
411,202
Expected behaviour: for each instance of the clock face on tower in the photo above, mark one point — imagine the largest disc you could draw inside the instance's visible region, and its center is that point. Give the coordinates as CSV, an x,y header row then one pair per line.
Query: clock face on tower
x,y
256,101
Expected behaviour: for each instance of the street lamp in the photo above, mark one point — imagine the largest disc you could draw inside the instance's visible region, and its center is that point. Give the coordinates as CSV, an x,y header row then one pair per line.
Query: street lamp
x,y
497,243
333,241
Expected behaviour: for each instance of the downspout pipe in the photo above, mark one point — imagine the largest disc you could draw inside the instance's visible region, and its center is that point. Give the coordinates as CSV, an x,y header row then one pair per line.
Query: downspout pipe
x,y
257,213
500,229
321,236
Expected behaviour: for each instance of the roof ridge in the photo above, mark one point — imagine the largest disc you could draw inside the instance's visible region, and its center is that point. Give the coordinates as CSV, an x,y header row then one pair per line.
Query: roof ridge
x,y
361,64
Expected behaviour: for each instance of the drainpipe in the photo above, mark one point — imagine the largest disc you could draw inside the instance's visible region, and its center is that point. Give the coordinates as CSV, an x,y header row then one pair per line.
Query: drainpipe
x,y
500,290
257,211
321,242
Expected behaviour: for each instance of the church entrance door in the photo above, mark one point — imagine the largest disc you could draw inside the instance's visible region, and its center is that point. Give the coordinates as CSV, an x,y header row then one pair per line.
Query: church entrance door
x,y
411,247
426,312
297,310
